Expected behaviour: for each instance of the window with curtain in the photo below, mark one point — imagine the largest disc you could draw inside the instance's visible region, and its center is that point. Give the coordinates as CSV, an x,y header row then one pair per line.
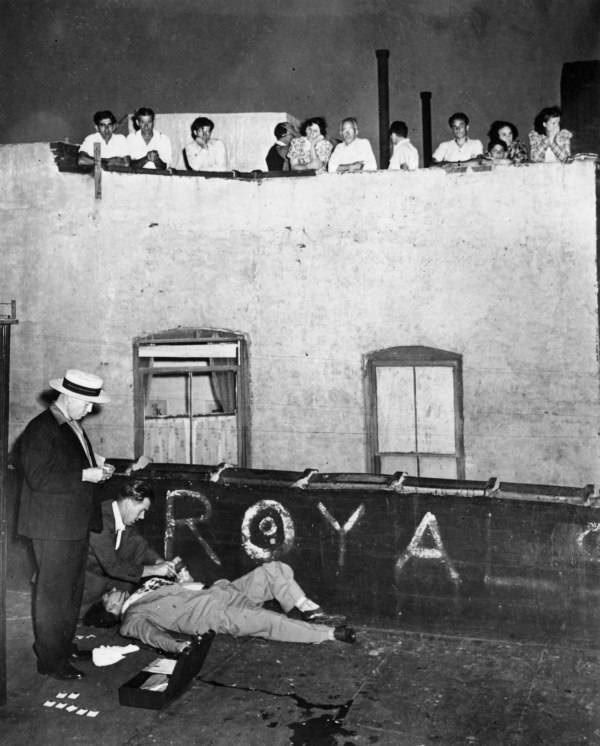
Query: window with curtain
x,y
414,413
191,402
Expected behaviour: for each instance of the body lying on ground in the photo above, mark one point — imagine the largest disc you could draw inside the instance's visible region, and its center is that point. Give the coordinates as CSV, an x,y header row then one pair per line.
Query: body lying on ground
x,y
160,609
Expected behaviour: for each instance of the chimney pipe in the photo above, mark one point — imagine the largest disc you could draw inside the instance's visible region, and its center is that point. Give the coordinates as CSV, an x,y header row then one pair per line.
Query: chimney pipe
x,y
383,56
426,120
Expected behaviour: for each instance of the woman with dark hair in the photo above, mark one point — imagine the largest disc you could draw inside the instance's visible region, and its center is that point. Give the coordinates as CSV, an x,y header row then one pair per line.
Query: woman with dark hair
x,y
548,142
312,150
516,151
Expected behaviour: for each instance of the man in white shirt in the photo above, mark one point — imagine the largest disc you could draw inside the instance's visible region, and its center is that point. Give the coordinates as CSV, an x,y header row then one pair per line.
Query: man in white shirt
x,y
203,153
405,156
148,148
462,148
113,148
354,153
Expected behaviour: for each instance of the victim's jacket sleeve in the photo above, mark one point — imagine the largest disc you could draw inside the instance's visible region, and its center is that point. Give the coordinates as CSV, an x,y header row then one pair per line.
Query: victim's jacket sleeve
x,y
142,628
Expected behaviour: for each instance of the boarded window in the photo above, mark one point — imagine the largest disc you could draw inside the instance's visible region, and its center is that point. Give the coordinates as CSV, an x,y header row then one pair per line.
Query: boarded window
x,y
415,412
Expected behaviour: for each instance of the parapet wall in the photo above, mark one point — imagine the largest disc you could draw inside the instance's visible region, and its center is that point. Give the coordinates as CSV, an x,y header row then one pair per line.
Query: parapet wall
x,y
317,272
462,558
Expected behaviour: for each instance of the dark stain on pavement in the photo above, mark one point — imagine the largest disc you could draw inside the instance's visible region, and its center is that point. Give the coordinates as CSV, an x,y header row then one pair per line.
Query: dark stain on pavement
x,y
315,731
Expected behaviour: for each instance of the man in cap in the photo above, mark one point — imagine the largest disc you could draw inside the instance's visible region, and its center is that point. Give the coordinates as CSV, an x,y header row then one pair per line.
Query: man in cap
x,y
59,470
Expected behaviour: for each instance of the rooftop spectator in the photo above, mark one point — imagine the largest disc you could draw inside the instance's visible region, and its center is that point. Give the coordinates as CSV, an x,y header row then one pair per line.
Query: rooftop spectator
x,y
461,148
148,148
312,150
277,156
204,153
353,153
548,142
113,148
405,156
508,133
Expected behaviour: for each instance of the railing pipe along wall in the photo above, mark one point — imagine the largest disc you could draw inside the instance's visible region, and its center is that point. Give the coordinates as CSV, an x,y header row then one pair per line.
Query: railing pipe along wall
x,y
475,557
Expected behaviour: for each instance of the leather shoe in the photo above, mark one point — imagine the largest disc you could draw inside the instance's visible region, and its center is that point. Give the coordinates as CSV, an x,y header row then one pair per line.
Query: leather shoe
x,y
80,655
318,616
344,634
65,673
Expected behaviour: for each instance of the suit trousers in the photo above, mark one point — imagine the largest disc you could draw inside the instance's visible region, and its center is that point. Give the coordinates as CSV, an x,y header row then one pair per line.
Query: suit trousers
x,y
57,597
236,607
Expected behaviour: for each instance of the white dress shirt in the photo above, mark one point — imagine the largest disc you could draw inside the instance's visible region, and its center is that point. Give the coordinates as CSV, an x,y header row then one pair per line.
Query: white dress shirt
x,y
452,152
405,154
119,525
116,147
138,147
359,150
211,158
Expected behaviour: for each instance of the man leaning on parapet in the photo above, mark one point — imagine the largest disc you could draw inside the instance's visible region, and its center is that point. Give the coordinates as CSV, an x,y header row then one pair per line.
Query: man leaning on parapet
x,y
354,153
113,148
148,148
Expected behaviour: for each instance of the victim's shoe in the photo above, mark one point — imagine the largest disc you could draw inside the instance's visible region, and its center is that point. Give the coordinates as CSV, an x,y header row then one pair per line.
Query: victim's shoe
x,y
344,634
318,616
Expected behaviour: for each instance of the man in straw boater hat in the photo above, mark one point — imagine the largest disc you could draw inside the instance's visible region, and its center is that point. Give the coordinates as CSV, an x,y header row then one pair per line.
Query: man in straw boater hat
x,y
59,470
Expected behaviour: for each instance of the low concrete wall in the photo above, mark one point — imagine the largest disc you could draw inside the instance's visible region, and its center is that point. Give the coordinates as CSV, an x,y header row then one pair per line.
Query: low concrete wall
x,y
497,266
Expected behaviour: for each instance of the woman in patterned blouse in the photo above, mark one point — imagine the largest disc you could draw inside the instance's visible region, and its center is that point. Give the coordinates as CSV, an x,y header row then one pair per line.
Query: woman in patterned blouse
x,y
547,141
516,151
312,150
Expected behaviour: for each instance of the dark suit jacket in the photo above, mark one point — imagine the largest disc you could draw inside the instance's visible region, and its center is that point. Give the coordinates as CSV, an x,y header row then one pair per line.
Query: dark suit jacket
x,y
183,611
55,503
108,567
276,158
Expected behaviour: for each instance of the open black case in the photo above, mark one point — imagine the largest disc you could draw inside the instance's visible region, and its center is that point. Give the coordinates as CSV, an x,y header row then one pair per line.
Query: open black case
x,y
188,665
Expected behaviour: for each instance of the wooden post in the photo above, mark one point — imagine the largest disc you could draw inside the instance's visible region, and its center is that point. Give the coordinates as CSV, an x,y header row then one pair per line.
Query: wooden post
x,y
6,319
97,171
383,56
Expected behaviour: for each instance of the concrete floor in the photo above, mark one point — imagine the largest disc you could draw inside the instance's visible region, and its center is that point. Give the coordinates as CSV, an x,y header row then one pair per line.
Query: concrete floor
x,y
393,687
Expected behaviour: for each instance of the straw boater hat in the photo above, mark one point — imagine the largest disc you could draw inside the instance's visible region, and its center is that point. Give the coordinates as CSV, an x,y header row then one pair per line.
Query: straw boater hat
x,y
80,385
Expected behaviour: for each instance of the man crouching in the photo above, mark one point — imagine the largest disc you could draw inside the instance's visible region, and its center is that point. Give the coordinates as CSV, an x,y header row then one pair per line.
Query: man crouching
x,y
161,608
